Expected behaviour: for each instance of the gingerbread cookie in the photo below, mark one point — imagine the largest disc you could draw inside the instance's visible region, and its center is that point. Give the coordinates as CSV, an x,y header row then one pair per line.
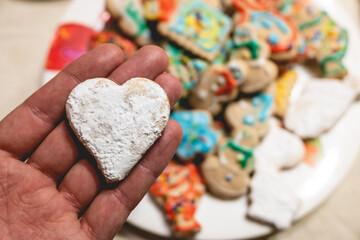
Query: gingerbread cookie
x,y
178,190
131,21
319,107
252,113
226,174
262,72
278,31
225,178
103,116
255,52
218,84
198,28
198,136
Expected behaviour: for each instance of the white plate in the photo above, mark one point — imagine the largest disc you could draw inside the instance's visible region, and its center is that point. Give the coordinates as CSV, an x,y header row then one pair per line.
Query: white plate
x,y
226,219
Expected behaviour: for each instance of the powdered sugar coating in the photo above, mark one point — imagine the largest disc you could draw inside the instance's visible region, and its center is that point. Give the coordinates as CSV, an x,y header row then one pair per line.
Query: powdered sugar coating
x,y
117,124
272,200
318,108
279,149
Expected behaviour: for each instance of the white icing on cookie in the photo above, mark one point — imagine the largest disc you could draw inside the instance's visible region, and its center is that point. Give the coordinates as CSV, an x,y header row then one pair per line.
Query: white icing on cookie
x,y
117,124
318,108
280,149
272,200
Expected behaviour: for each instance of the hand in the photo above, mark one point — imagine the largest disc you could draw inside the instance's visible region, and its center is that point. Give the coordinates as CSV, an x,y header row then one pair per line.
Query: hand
x,y
50,189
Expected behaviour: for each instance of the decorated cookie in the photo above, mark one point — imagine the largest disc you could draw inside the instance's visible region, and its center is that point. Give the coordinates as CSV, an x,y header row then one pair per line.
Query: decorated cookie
x,y
262,71
284,87
217,85
198,28
226,173
225,178
110,37
131,21
278,31
247,44
261,5
224,54
280,149
245,136
198,136
187,70
326,41
195,68
178,190
272,200
159,10
253,113
318,108
104,116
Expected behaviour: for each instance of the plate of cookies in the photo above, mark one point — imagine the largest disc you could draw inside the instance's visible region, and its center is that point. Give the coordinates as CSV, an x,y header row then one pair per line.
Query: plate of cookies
x,y
269,107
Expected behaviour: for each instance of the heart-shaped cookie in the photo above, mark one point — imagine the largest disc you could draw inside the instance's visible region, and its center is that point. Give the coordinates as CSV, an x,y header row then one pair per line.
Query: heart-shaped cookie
x,y
117,124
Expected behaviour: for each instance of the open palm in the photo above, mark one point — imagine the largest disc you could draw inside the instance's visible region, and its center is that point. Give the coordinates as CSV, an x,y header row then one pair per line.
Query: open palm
x,y
50,187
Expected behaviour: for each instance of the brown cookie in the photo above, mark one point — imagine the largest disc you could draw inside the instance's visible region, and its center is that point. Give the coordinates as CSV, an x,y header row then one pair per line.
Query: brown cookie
x,y
252,113
218,85
131,20
262,71
224,177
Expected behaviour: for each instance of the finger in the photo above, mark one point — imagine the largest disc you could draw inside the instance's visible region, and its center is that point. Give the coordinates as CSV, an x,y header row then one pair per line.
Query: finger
x,y
109,210
171,86
148,62
57,153
23,129
80,185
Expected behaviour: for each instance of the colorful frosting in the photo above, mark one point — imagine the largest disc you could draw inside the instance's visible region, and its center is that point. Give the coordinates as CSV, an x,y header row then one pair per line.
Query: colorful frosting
x,y
325,41
198,137
109,37
178,61
230,82
205,26
253,4
261,105
266,22
159,9
328,43
243,38
195,68
245,153
133,12
180,187
284,87
314,151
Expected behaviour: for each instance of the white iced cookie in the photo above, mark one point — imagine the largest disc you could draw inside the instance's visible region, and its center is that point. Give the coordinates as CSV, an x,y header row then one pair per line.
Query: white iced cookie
x,y
117,124
272,201
319,107
280,149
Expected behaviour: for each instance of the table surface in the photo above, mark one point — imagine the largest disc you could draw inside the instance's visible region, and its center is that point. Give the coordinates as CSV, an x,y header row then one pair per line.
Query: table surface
x,y
26,30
